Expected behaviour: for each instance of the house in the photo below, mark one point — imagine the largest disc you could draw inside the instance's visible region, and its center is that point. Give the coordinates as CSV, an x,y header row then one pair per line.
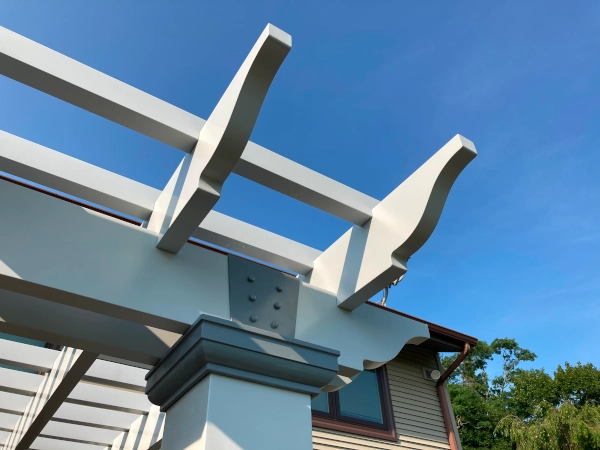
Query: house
x,y
399,405
184,328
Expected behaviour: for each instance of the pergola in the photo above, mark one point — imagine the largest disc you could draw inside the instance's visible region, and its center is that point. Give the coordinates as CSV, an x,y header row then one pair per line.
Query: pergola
x,y
128,278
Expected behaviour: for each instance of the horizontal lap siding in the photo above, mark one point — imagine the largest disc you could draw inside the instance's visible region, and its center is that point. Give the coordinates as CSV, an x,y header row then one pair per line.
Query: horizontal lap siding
x,y
417,411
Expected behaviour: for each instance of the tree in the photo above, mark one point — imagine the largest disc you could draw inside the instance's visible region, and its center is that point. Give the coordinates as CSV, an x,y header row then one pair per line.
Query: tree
x,y
476,419
524,409
512,355
531,391
565,427
578,384
472,372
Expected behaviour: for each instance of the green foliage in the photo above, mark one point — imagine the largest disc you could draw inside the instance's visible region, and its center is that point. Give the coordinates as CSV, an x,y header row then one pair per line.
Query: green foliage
x,y
558,428
579,384
524,409
532,390
476,419
512,355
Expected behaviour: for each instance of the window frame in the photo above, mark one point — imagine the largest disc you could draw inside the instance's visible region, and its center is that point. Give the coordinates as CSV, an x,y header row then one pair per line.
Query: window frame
x,y
333,420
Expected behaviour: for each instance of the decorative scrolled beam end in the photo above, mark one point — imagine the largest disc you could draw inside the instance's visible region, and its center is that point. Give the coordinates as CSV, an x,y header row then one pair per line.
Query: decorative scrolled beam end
x,y
367,259
195,187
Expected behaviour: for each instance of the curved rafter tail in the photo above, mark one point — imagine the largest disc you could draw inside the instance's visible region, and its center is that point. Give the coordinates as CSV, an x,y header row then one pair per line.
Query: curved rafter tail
x,y
367,259
195,187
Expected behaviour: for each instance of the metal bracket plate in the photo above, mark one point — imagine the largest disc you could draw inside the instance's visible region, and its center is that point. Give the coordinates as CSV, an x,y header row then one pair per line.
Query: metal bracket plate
x,y
262,297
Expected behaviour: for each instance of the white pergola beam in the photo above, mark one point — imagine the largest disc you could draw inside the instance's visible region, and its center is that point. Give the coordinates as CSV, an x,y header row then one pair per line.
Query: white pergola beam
x,y
280,174
41,165
62,77
72,176
13,403
45,443
19,382
195,187
109,398
8,421
25,356
67,431
145,432
27,316
263,245
121,376
96,417
88,260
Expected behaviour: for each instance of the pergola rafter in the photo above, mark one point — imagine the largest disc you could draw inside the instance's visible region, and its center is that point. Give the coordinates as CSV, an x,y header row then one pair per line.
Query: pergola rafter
x,y
80,400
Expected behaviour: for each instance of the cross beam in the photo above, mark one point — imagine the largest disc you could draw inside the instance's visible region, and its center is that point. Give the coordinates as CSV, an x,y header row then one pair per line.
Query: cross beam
x,y
196,185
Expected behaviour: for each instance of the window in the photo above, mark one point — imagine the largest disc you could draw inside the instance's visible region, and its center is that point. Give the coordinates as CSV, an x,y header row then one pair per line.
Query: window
x,y
363,407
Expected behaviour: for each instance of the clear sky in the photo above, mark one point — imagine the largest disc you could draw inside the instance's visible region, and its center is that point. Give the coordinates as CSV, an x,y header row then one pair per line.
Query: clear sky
x,y
368,93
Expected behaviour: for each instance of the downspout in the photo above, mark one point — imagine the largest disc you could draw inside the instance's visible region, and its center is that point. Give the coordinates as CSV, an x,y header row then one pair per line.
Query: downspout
x,y
442,396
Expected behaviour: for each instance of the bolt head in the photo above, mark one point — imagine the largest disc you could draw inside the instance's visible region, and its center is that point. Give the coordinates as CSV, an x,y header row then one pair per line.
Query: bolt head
x,y
277,305
253,318
279,288
251,279
274,324
252,298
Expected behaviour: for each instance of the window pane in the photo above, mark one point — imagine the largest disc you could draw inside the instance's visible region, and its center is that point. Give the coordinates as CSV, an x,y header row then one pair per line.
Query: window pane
x,y
360,399
321,403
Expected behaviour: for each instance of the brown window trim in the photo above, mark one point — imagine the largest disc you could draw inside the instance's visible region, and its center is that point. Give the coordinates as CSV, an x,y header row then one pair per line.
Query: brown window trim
x,y
333,421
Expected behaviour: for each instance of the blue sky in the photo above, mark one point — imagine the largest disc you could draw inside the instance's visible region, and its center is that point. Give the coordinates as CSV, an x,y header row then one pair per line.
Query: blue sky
x,y
369,91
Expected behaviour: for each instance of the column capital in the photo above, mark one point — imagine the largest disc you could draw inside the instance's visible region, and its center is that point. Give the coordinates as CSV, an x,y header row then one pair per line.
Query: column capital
x,y
217,346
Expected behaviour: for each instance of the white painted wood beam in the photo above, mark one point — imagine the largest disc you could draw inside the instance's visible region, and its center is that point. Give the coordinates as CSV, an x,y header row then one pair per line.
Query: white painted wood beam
x,y
62,77
366,259
66,372
80,433
121,376
195,187
45,443
25,356
283,175
255,242
13,403
145,432
96,417
27,316
3,437
8,421
109,398
19,382
88,260
41,165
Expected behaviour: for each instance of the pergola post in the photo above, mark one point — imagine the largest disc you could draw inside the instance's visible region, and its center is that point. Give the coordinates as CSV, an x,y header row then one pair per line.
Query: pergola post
x,y
230,386
231,414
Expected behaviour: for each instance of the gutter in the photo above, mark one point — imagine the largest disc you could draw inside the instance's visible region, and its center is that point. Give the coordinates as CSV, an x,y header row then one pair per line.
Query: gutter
x,y
441,390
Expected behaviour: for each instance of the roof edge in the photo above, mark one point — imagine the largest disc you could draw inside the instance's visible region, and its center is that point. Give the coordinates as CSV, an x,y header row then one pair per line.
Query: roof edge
x,y
433,327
